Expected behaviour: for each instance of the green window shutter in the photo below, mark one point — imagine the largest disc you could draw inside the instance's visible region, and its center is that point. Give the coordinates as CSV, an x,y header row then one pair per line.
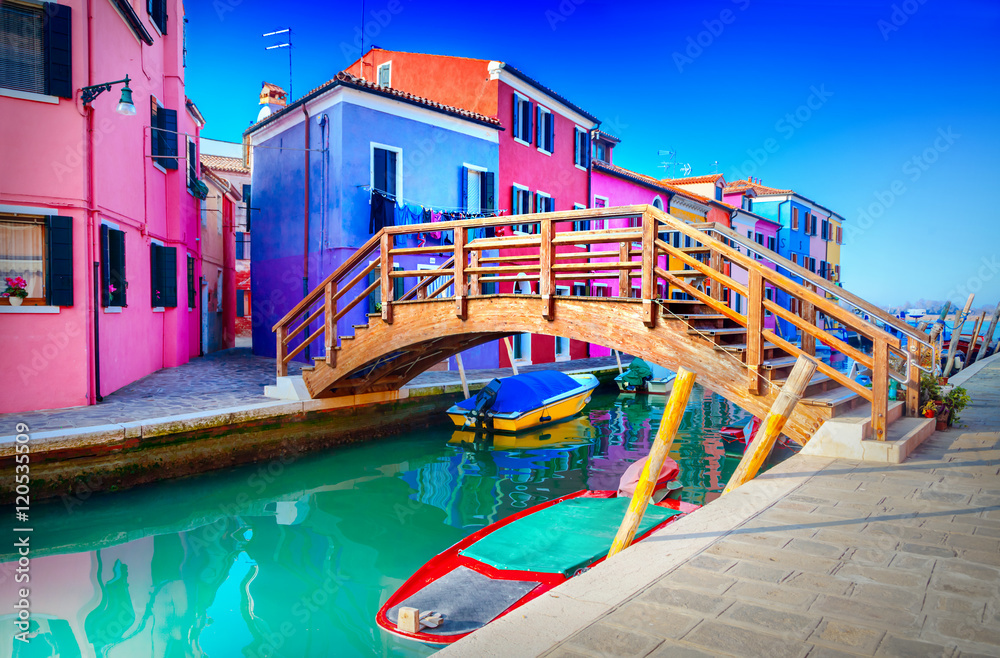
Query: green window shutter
x,y
398,285
169,135
464,190
60,271
192,293
155,292
58,50
517,116
105,265
168,276
116,254
488,195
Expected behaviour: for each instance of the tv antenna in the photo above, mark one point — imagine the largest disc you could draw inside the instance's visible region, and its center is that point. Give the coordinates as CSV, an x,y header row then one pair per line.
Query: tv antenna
x,y
715,167
287,44
670,154
685,168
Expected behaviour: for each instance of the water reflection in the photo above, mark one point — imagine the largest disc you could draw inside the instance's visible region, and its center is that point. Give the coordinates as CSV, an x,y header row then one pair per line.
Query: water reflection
x,y
294,557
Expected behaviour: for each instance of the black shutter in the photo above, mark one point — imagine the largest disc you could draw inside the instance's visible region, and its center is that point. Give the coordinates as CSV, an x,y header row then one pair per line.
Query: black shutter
x,y
517,116
155,138
161,15
246,201
239,245
526,109
398,285
390,173
192,161
576,146
375,296
550,121
60,261
168,276
105,266
116,249
379,168
463,197
155,294
488,199
58,50
192,293
538,126
169,136
239,303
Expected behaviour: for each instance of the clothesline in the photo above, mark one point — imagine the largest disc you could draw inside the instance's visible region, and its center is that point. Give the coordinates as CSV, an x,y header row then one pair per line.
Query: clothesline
x,y
400,201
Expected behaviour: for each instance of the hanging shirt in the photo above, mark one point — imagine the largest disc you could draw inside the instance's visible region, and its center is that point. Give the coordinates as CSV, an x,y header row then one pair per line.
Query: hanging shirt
x,y
381,212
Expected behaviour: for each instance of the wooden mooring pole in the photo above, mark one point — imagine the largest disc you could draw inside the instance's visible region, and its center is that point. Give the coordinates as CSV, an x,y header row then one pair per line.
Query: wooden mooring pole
x,y
510,353
988,336
618,358
956,332
759,449
972,341
672,416
461,373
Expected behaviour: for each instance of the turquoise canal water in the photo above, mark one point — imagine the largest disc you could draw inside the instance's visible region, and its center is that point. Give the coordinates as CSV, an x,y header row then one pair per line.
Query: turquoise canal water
x,y
294,557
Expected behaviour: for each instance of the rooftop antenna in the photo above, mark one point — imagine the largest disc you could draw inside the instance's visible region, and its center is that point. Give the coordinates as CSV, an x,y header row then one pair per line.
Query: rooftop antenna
x,y
715,167
286,44
669,162
686,169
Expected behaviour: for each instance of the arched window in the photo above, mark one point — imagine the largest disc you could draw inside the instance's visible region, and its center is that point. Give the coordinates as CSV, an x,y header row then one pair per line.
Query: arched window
x,y
658,203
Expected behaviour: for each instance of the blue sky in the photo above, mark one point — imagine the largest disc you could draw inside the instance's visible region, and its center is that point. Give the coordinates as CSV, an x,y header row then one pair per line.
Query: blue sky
x,y
886,112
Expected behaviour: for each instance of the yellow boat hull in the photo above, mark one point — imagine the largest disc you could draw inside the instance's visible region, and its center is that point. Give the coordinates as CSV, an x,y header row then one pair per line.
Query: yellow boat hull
x,y
558,410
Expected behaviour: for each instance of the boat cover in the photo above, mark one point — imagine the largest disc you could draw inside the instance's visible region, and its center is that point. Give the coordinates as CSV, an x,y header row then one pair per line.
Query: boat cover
x,y
465,599
562,538
637,374
527,391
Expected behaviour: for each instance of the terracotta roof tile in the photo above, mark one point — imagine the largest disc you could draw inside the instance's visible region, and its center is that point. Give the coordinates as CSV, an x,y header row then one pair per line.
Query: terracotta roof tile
x,y
222,163
348,80
743,185
691,180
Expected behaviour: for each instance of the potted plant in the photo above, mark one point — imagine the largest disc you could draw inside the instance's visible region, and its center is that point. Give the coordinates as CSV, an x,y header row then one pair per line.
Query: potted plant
x,y
930,409
17,290
956,400
929,389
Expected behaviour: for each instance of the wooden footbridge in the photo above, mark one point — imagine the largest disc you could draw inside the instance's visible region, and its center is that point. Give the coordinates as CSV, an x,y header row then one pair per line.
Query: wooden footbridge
x,y
733,353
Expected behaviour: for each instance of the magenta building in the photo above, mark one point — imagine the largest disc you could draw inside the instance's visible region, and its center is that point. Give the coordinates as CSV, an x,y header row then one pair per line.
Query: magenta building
x,y
99,211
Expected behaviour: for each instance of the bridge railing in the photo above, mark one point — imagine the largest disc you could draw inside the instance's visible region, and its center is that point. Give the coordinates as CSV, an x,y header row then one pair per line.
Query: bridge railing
x,y
642,250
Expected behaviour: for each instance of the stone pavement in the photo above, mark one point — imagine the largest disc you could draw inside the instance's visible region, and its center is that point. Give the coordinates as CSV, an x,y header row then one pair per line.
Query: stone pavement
x,y
220,380
817,557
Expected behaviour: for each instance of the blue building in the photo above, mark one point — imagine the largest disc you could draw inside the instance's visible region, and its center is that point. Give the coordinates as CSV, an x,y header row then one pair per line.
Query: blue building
x,y
799,238
362,144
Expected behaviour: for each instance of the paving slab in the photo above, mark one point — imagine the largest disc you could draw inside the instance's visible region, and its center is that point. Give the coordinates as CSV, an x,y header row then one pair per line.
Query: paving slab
x,y
818,557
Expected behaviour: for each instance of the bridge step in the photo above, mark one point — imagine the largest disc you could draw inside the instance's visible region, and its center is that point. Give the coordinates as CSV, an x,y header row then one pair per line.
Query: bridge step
x,y
818,385
347,338
359,326
838,400
728,331
687,274
776,364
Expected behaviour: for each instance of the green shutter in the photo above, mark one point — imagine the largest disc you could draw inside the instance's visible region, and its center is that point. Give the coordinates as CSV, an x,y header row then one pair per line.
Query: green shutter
x,y
168,276
155,292
105,265
60,270
116,262
192,293
169,137
58,50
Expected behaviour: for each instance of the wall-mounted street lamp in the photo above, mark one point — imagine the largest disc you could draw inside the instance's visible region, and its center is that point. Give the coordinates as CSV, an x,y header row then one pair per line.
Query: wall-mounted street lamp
x,y
125,105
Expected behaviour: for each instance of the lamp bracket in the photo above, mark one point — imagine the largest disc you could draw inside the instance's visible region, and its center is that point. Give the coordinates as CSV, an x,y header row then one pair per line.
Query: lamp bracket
x,y
88,94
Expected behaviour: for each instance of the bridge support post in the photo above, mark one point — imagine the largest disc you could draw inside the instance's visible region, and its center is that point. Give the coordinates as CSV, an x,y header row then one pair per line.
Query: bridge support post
x,y
763,441
461,301
330,330
914,351
282,349
385,262
648,263
715,262
809,315
755,325
880,389
624,276
546,278
475,288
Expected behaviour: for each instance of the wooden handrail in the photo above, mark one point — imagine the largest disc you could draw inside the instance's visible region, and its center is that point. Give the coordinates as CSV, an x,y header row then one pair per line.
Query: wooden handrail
x,y
426,278
352,261
806,275
779,280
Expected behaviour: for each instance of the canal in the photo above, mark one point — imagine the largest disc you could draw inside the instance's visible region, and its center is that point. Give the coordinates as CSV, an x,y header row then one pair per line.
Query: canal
x,y
295,556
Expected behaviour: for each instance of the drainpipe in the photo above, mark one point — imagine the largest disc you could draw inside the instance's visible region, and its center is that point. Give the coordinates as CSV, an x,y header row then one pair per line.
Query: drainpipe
x,y
93,234
305,252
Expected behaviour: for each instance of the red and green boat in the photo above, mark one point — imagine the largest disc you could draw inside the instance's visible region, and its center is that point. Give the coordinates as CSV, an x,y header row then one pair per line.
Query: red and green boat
x,y
508,563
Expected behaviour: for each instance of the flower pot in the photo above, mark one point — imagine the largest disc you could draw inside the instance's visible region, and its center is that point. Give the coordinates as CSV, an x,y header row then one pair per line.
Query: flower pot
x,y
15,301
942,420
930,413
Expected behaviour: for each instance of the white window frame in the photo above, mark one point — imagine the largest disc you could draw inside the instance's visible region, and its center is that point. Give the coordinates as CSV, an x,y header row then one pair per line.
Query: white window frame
x,y
109,224
538,121
399,166
481,170
577,130
219,292
603,222
521,188
378,74
220,213
519,98
655,199
594,286
544,194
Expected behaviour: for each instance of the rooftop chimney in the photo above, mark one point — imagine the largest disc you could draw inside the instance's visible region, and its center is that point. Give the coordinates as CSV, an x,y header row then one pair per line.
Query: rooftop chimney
x,y
272,99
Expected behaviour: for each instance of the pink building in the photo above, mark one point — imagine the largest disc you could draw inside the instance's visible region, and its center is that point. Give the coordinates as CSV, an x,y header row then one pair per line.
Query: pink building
x,y
99,211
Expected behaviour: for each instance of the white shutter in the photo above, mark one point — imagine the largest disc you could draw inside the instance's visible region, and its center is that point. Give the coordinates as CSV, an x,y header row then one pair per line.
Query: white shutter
x,y
474,202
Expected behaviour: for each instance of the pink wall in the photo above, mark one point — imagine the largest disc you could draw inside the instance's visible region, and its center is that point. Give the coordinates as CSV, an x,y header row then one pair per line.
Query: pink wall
x,y
52,172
